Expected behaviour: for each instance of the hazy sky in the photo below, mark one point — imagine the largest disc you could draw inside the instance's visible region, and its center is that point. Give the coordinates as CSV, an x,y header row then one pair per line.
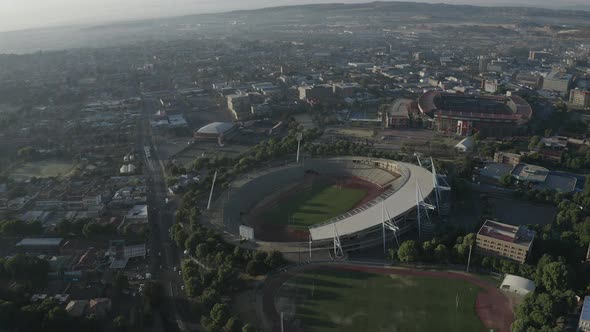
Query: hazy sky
x,y
23,14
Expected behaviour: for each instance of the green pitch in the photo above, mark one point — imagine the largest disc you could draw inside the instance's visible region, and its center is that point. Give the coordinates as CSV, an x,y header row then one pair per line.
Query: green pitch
x,y
314,205
343,300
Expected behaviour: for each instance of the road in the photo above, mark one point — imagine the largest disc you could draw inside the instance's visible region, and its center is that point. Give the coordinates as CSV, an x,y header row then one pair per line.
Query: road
x,y
164,255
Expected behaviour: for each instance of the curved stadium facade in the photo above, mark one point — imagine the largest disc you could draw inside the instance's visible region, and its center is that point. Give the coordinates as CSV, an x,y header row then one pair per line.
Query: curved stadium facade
x,y
358,228
494,116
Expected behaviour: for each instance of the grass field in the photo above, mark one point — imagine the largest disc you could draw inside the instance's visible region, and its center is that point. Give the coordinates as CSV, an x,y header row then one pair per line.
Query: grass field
x,y
314,205
41,169
344,300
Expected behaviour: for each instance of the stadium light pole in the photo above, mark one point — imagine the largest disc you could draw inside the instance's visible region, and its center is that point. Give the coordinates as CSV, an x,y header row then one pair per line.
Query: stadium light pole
x,y
211,193
299,138
310,247
383,224
282,327
469,258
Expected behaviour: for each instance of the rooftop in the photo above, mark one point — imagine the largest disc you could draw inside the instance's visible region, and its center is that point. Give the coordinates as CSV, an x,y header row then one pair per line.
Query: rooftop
x,y
585,315
558,75
138,211
216,128
530,173
518,282
48,241
505,232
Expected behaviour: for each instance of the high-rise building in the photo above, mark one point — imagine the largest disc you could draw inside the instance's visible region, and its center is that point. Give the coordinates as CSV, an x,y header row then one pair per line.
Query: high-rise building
x,y
504,240
483,64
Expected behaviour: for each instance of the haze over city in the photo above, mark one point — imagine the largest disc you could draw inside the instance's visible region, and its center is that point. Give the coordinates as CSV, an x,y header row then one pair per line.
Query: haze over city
x,y
294,166
25,14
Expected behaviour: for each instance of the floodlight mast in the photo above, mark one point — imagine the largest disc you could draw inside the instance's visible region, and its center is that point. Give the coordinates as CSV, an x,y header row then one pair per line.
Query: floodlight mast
x,y
299,138
211,193
388,223
420,206
338,252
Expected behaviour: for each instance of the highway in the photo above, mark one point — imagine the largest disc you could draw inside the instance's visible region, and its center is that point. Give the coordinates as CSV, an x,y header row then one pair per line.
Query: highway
x,y
165,258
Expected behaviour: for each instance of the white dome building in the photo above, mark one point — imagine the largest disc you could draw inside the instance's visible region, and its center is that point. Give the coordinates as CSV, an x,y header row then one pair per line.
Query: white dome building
x,y
216,131
517,285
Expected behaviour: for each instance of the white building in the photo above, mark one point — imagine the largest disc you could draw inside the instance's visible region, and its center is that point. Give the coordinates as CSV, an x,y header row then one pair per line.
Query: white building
x,y
517,285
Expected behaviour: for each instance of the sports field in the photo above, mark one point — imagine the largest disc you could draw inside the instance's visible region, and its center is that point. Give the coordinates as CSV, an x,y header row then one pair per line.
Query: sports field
x,y
42,169
313,205
326,300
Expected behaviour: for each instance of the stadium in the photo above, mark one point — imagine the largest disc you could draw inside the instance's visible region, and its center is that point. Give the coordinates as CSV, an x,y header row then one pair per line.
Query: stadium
x,y
464,115
341,203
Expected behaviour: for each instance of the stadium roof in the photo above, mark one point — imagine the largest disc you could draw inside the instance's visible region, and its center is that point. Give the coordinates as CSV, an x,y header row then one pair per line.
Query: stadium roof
x,y
398,203
510,107
216,128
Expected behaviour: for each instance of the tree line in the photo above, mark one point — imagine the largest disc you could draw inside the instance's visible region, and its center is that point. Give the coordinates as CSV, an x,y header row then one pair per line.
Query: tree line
x,y
215,269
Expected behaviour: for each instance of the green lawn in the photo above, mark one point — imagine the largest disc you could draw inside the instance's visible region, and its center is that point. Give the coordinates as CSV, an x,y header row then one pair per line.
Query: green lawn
x,y
319,203
42,169
344,300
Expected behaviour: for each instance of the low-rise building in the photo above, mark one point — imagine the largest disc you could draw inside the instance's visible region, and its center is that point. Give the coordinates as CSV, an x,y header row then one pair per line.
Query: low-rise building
x,y
318,92
504,240
557,81
507,158
517,285
137,215
39,244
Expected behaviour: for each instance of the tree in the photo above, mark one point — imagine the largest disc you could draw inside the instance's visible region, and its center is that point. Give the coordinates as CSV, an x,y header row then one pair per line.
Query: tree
x,y
253,267
27,268
428,250
56,319
202,251
193,286
392,255
275,259
8,314
248,328
469,240
408,251
534,142
27,153
556,276
120,322
154,293
220,314
209,297
441,254
506,180
233,325
121,282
